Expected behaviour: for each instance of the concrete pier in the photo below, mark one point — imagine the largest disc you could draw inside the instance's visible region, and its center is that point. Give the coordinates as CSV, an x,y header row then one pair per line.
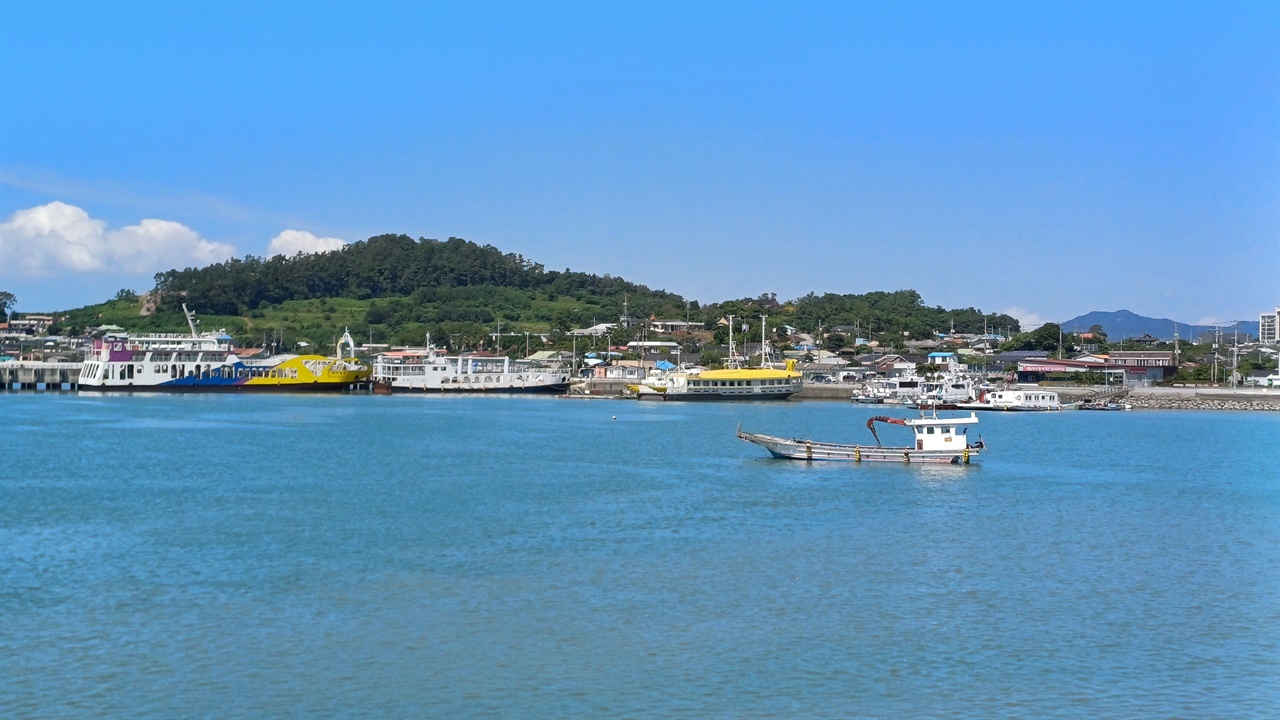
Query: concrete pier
x,y
31,375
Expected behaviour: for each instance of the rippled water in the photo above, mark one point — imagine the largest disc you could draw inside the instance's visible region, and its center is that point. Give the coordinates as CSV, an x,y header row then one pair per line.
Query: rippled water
x,y
357,556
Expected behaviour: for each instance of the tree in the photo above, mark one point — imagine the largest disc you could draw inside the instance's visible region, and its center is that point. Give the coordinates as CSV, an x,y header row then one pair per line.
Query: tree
x,y
7,300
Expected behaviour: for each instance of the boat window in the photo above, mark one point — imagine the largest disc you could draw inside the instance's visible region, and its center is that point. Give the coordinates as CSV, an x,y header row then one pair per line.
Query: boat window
x,y
930,431
946,430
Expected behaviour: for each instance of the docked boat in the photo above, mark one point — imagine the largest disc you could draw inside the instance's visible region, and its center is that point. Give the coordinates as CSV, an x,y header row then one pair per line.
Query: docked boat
x,y
946,394
1106,406
938,440
761,383
897,391
430,369
1015,399
175,362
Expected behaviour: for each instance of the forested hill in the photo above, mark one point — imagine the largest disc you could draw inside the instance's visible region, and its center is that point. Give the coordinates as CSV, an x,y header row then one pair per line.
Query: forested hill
x,y
388,266
392,288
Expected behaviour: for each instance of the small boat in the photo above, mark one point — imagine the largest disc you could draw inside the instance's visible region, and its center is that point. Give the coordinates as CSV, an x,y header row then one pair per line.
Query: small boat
x,y
1104,406
945,394
938,440
1015,399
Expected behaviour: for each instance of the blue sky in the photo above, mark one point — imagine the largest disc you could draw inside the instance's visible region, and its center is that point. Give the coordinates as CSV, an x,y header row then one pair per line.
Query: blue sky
x,y
1042,159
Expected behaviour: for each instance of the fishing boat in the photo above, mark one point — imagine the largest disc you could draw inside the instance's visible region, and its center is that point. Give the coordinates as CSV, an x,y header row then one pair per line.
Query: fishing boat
x,y
207,362
430,369
938,440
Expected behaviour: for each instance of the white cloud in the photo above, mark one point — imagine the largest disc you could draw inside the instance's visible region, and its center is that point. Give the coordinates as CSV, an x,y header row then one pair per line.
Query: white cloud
x,y
292,242
58,237
1026,319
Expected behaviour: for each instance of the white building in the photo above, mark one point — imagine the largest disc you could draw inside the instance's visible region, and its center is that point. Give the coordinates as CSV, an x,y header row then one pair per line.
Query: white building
x,y
1269,328
594,330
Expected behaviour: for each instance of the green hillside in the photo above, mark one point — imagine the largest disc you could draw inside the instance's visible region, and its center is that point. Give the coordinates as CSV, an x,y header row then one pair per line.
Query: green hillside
x,y
394,289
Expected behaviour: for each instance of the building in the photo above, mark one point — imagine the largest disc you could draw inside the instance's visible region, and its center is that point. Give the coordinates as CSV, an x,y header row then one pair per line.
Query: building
x,y
670,327
594,330
1269,328
948,361
1141,358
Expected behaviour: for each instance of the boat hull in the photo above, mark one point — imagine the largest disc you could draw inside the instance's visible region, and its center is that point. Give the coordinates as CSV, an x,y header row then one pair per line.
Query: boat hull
x,y
816,451
383,387
317,387
716,397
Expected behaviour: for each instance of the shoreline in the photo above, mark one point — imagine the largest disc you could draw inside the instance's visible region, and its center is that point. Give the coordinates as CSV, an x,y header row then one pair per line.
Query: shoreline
x,y
1144,398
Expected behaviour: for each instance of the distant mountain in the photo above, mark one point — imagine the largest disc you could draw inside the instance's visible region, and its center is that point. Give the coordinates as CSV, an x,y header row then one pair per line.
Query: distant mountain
x,y
1124,324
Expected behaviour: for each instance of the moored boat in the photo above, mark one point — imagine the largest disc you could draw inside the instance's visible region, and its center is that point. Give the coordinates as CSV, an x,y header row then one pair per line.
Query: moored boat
x,y
938,440
759,383
1019,399
430,369
207,362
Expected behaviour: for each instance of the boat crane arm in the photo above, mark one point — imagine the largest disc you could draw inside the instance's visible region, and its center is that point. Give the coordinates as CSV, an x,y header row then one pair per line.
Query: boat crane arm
x,y
871,425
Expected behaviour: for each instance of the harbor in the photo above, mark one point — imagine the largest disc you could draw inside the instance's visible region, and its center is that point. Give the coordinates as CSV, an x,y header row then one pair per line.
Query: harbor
x,y
409,555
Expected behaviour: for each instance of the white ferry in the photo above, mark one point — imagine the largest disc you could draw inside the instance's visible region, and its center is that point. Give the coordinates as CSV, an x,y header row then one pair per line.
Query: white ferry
x,y
206,362
430,369
938,440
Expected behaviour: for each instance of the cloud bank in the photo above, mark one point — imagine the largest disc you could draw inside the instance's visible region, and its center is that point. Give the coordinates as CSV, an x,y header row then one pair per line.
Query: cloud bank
x,y
292,242
62,238
1027,320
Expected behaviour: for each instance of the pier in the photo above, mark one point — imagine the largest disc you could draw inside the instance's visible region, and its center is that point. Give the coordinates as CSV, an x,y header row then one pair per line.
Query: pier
x,y
33,375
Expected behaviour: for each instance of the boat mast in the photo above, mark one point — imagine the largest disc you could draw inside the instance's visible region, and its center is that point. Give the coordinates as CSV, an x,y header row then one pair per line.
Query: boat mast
x,y
764,342
730,359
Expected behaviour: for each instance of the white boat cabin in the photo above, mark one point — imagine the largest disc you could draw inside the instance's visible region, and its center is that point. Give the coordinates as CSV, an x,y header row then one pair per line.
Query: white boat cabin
x,y
941,434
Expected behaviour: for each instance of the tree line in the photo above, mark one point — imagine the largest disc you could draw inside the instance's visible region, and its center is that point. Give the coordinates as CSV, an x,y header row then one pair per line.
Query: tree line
x,y
393,288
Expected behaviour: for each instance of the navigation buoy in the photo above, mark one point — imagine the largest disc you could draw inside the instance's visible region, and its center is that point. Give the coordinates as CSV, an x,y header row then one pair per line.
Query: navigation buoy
x,y
615,417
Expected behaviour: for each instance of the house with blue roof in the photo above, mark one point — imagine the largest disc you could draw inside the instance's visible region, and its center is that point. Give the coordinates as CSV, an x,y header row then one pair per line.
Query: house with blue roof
x,y
948,361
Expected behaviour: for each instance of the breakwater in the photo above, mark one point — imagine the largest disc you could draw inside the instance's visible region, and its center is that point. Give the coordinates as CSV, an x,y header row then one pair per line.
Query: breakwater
x,y
1202,399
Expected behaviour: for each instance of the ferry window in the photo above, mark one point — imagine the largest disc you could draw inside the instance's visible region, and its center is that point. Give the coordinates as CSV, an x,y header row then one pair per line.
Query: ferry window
x,y
930,431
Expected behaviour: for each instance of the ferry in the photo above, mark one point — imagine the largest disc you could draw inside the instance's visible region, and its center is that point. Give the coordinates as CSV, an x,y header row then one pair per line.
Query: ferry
x,y
174,362
763,383
938,440
430,369
769,381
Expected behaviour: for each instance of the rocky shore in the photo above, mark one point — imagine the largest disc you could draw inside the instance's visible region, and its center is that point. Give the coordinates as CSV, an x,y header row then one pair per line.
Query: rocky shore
x,y
1183,398
1147,398
1202,399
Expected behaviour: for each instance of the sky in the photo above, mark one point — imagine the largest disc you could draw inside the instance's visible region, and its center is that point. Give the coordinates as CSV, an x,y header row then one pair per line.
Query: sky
x,y
1039,159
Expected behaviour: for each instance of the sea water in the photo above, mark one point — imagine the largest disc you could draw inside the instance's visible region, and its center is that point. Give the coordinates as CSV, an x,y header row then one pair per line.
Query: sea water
x,y
230,556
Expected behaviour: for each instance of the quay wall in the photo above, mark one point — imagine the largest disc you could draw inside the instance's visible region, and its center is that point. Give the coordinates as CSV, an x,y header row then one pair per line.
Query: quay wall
x,y
28,375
